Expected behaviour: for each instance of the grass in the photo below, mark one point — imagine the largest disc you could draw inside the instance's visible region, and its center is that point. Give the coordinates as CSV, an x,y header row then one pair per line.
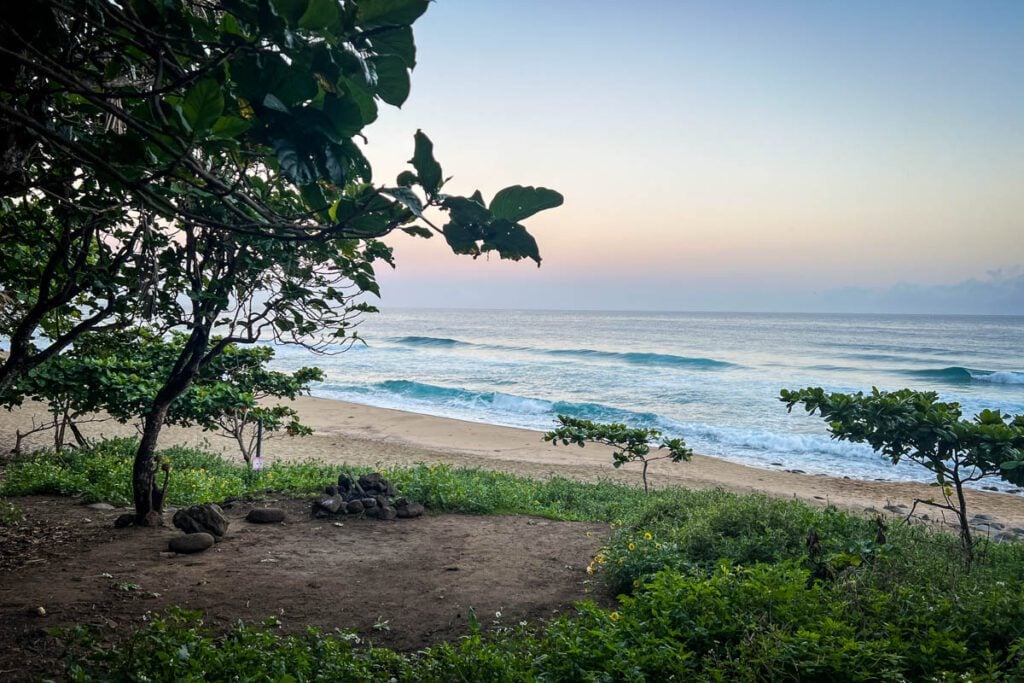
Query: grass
x,y
711,586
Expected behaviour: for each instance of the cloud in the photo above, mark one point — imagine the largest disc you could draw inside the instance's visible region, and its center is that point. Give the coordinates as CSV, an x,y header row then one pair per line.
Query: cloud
x,y
999,292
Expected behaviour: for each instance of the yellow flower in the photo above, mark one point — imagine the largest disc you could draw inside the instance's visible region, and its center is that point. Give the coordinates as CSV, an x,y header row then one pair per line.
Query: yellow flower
x,y
647,536
590,569
614,616
600,558
632,546
657,546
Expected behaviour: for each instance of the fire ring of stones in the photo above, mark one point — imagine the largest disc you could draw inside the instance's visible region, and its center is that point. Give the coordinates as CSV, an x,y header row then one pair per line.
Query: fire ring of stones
x,y
370,496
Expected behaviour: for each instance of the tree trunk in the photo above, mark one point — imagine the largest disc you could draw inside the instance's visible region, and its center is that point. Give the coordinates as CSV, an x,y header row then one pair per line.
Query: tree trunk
x,y
144,471
148,511
966,541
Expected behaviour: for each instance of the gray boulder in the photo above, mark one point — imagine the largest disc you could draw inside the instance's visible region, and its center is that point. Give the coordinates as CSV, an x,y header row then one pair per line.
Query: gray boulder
x,y
190,543
206,518
410,510
265,516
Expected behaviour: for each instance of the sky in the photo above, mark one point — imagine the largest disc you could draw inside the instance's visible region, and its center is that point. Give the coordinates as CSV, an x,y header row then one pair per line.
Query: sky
x,y
746,156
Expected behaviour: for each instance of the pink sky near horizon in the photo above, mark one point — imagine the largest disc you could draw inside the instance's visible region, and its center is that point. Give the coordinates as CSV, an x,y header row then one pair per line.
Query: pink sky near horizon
x,y
841,145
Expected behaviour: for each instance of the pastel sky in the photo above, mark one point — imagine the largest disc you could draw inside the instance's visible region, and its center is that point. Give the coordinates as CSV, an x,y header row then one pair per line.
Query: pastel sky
x,y
726,156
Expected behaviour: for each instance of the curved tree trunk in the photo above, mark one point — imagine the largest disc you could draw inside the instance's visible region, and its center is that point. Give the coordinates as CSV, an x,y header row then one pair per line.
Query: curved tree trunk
x,y
144,469
148,500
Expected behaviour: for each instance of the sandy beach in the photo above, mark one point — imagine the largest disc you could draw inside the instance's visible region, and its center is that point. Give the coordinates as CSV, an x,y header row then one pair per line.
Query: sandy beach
x,y
364,435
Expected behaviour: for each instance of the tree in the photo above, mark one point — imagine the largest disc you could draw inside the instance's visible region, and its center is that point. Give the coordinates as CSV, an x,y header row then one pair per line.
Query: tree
x,y
120,372
916,426
62,273
216,141
631,444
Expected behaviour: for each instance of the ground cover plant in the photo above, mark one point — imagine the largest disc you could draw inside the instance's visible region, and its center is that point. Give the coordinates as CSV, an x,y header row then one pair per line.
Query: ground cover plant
x,y
712,586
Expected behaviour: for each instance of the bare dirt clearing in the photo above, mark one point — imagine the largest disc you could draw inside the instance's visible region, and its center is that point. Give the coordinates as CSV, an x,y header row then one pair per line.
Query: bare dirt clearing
x,y
403,584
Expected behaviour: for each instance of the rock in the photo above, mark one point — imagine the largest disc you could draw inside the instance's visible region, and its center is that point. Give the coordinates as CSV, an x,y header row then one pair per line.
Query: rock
x,y
265,516
368,503
344,483
1005,538
1017,530
191,543
796,471
387,513
410,510
355,506
372,482
982,517
383,501
372,513
331,490
778,464
898,509
125,520
100,506
208,518
333,504
989,488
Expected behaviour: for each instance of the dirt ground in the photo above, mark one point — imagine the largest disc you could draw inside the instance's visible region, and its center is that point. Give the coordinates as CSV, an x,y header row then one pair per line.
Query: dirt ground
x,y
403,584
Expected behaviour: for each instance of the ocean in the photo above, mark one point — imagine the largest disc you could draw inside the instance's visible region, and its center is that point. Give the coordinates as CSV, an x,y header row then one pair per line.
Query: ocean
x,y
711,378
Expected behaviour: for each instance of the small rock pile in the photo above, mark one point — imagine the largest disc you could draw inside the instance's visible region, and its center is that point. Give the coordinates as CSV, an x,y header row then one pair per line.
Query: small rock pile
x,y
203,526
370,496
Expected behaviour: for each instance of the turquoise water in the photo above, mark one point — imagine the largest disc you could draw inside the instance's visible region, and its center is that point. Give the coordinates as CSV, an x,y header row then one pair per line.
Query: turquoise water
x,y
710,378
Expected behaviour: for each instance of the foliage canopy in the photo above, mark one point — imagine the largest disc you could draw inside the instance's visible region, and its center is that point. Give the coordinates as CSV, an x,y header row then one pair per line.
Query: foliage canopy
x,y
917,426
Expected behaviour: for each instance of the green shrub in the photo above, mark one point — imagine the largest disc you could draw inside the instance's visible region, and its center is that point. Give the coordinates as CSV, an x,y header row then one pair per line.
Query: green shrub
x,y
713,586
9,513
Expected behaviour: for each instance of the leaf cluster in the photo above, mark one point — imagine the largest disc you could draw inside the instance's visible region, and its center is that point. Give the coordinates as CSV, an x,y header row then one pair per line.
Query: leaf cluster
x,y
917,426
629,443
121,372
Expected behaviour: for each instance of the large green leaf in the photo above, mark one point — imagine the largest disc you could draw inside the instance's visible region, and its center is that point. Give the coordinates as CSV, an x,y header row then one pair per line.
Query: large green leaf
x,y
511,241
345,115
466,211
335,164
390,12
203,104
229,126
396,41
517,202
319,14
460,239
392,79
427,168
293,163
407,198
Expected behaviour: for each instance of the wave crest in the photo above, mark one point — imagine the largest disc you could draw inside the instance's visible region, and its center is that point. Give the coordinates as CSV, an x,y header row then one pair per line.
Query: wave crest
x,y
959,375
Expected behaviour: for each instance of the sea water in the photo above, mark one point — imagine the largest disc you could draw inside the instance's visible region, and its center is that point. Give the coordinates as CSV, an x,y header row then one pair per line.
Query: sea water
x,y
711,378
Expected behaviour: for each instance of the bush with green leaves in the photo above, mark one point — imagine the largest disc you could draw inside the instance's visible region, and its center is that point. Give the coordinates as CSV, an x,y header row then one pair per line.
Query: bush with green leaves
x,y
712,586
120,372
918,427
630,444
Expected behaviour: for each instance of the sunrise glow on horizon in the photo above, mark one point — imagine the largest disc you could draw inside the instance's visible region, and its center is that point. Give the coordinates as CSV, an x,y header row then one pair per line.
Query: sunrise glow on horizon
x,y
729,155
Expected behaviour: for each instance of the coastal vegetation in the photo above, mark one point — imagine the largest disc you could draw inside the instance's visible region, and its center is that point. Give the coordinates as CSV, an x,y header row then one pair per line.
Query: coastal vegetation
x,y
118,373
918,427
191,167
711,585
629,444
